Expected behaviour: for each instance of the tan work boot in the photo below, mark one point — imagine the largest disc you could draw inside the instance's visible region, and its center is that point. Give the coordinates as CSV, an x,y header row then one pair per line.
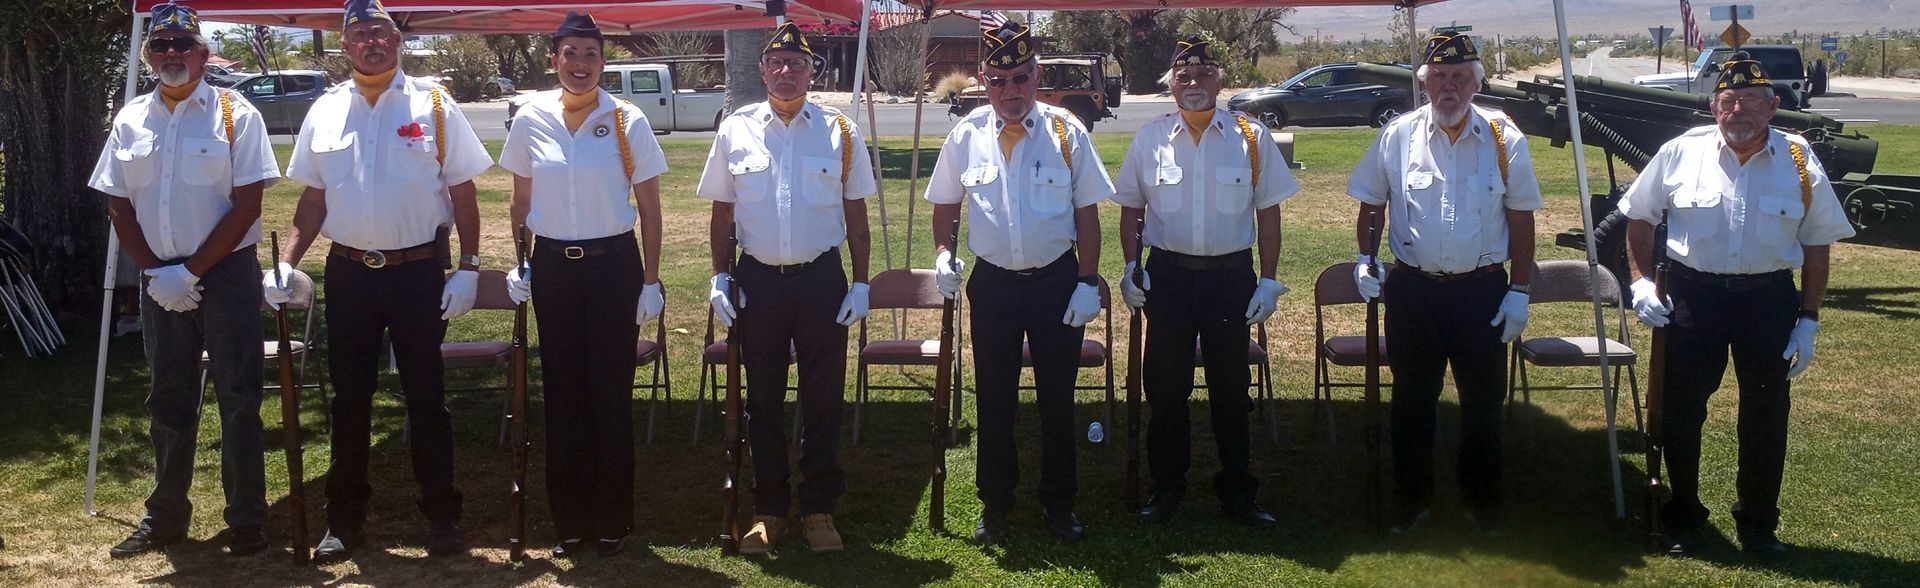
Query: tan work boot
x,y
821,536
765,533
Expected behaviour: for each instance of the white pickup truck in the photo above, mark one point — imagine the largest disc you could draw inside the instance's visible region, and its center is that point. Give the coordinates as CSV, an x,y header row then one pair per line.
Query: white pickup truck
x,y
1792,81
651,86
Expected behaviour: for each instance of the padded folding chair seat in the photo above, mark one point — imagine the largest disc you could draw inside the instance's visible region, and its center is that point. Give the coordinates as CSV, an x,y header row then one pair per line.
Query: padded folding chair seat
x,y
475,354
645,352
1092,354
1255,354
1573,352
902,352
1351,350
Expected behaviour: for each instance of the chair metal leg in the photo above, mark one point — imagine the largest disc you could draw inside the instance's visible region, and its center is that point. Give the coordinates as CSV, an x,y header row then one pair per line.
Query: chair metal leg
x,y
700,403
859,399
1633,386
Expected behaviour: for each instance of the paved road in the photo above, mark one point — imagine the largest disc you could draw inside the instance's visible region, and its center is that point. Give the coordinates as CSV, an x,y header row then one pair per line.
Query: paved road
x,y
1845,109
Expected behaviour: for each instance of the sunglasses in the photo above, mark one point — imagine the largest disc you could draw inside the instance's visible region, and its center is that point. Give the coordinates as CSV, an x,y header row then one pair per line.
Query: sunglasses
x,y
1204,74
791,63
1001,81
176,44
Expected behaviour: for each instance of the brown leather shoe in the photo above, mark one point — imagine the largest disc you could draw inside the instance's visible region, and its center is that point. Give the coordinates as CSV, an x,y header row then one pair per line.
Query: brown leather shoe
x,y
765,533
821,536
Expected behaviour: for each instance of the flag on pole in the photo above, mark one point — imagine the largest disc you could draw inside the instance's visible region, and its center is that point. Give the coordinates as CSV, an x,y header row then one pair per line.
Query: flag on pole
x,y
261,35
991,19
1692,28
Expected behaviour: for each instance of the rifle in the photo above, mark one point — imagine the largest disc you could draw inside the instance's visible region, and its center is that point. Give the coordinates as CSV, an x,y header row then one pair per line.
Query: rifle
x,y
1135,327
1373,381
942,396
517,418
290,418
1656,398
730,419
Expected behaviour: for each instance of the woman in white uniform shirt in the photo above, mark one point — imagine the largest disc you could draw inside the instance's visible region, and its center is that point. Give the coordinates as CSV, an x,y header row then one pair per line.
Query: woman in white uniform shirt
x,y
576,153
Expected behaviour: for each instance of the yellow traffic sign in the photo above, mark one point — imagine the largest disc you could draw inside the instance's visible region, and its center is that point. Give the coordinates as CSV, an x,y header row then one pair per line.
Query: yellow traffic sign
x,y
1735,35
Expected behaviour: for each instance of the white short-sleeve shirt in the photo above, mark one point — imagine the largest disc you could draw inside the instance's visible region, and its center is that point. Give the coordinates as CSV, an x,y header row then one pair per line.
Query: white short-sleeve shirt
x,y
1446,202
1727,218
1020,207
178,168
784,180
1200,199
580,188
386,188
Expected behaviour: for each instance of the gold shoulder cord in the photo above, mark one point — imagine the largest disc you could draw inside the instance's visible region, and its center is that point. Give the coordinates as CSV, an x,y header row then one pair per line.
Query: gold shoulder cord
x,y
1066,146
1500,147
1806,181
626,150
439,127
1253,148
226,117
846,152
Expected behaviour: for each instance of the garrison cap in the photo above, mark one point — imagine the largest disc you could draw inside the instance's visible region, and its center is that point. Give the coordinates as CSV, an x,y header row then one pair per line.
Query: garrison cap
x,y
578,24
1194,50
360,10
173,16
1451,47
789,37
1008,45
1742,71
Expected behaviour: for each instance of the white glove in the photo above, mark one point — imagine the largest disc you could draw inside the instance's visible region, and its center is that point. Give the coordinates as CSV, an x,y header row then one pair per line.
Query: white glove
x,y
1513,312
520,284
854,307
1800,346
1135,297
717,297
457,298
1651,309
175,288
270,285
946,275
1366,277
651,304
1084,305
1266,297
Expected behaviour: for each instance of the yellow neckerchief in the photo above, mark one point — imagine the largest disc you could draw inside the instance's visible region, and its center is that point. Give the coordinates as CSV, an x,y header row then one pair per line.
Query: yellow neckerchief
x,y
574,108
173,95
1197,121
373,85
1010,134
786,109
1453,132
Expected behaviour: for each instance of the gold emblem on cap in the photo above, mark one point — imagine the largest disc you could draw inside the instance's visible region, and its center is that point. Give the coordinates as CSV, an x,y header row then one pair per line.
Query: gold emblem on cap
x,y
1023,46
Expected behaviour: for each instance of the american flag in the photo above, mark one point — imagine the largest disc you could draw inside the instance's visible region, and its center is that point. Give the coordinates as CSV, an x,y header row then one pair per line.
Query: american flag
x,y
261,36
991,19
1692,28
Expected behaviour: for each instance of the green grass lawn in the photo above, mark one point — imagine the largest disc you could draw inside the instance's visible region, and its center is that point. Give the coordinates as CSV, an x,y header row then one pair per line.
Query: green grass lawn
x,y
1848,500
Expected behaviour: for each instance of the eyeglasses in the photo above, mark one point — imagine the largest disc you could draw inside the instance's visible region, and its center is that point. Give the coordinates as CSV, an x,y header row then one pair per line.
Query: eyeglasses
x,y
176,44
1202,74
1726,103
791,63
1001,81
370,34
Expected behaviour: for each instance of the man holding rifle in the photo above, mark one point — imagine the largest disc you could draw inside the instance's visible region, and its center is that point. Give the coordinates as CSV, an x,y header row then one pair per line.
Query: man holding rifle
x,y
1745,205
1457,184
1202,177
185,166
789,178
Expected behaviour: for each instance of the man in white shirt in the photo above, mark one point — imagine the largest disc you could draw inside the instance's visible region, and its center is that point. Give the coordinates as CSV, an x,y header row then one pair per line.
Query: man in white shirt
x,y
1457,183
1744,205
1202,177
185,166
388,161
788,179
1031,179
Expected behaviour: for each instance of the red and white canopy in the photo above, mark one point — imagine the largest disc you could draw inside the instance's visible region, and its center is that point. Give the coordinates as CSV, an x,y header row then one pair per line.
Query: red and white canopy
x,y
524,16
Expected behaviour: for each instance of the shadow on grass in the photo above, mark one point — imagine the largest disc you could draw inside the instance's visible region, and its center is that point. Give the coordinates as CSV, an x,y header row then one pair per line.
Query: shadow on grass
x,y
1887,302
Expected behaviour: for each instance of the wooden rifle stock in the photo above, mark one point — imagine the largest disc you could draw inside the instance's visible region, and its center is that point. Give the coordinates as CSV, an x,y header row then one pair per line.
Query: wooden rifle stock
x,y
1372,401
290,418
517,418
1136,326
730,419
942,398
1656,399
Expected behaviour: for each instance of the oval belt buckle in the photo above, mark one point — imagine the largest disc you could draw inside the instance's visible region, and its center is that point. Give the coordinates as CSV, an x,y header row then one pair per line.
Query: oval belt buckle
x,y
374,259
574,252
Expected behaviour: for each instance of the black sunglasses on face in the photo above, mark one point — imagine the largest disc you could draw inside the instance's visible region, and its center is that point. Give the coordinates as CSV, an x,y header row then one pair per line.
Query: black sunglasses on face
x,y
178,44
1017,79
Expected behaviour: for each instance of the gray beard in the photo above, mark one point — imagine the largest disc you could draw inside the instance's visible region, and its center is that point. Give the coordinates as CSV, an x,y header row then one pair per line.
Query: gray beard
x,y
1194,103
174,75
1449,118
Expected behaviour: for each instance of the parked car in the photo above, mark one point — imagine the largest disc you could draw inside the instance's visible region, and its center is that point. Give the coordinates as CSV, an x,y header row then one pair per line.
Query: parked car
x,y
651,86
1792,80
223,76
284,97
1074,81
1327,95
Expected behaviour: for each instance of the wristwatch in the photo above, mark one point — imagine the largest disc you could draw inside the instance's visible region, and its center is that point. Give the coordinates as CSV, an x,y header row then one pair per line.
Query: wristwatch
x,y
470,262
1091,280
1812,314
1521,288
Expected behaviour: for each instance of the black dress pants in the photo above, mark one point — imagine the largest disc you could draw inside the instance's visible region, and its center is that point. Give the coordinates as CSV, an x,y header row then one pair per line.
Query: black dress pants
x,y
1429,325
1209,304
1008,308
793,313
586,308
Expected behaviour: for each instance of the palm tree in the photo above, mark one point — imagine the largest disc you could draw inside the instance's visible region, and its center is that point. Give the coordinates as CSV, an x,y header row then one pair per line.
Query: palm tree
x,y
744,85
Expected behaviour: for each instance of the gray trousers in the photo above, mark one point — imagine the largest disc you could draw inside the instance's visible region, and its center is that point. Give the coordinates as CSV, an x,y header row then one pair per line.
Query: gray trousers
x,y
227,326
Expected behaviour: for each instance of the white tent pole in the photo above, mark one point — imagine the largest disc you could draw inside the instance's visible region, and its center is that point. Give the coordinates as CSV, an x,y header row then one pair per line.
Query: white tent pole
x,y
107,283
1413,48
1593,261
873,128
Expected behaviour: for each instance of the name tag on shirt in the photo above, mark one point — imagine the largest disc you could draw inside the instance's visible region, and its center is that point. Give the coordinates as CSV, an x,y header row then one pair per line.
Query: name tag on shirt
x,y
1419,180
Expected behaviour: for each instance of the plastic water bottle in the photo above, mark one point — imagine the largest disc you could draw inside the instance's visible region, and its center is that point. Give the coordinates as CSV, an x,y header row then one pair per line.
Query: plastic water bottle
x,y
1095,432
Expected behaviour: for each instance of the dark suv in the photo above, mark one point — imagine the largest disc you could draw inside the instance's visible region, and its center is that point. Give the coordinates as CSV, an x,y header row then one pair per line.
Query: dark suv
x,y
1328,95
284,96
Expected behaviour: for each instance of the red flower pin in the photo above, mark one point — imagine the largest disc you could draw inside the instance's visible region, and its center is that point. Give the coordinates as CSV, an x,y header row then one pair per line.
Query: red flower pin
x,y
412,131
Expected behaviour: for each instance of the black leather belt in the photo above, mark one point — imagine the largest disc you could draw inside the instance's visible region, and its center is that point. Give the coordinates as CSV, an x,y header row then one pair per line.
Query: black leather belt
x,y
1731,282
1399,266
1066,262
1241,259
583,248
831,256
377,259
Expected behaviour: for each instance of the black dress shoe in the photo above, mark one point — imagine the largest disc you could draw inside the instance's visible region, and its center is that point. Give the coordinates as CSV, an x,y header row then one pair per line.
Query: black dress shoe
x,y
334,548
569,548
992,530
1065,526
144,540
246,541
610,547
1763,544
1250,515
1160,509
444,538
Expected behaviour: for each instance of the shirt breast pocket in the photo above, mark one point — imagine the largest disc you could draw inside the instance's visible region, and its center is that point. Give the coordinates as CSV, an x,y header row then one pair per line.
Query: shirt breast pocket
x,y
1235,192
1421,193
1165,193
976,180
416,160
822,179
335,161
1697,214
549,165
204,162
1778,219
752,175
1052,189
137,163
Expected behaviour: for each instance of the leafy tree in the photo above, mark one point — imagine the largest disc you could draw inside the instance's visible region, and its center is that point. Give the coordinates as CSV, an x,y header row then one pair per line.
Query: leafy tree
x,y
466,64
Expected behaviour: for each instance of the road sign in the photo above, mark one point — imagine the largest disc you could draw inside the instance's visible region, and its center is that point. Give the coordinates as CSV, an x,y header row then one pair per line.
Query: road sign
x,y
1733,12
1735,35
1659,34
1840,58
1883,36
1829,43
1453,29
